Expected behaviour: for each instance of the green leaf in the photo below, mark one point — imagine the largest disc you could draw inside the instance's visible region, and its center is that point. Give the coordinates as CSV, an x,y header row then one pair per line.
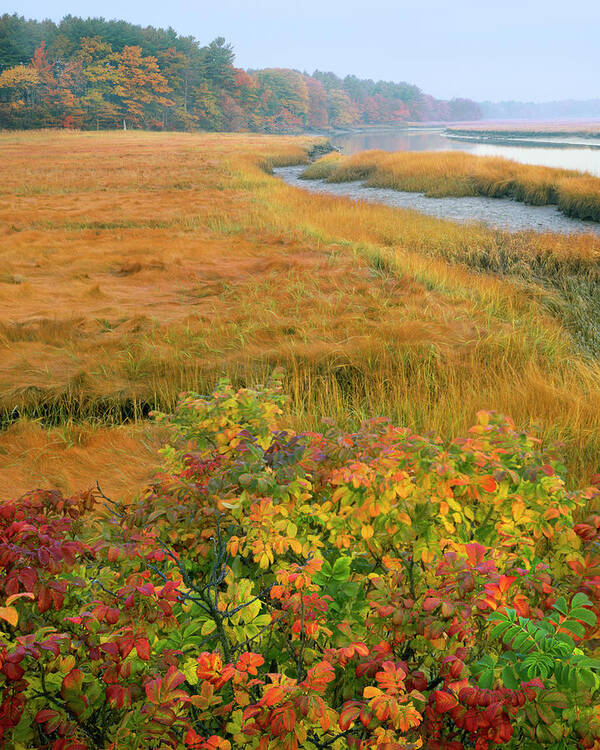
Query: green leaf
x,y
586,661
326,568
486,679
561,673
580,600
546,714
487,661
509,678
584,614
574,627
565,639
208,627
573,678
512,632
588,678
341,569
561,605
557,730
554,698
499,629
520,640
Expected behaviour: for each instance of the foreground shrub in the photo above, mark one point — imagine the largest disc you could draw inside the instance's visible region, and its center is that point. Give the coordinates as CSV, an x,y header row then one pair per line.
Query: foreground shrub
x,y
377,589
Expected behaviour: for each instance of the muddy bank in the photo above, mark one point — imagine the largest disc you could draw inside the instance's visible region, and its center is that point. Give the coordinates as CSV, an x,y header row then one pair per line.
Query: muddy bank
x,y
500,213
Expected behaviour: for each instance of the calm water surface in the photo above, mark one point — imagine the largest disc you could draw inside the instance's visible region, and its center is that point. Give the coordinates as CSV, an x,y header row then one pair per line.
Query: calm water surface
x,y
567,153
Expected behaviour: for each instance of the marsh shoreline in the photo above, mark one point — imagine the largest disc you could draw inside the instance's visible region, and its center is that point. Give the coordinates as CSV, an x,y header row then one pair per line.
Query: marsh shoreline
x,y
499,213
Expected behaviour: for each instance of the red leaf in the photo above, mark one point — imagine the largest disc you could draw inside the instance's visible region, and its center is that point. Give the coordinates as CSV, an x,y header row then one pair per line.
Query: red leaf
x,y
118,696
431,602
28,577
348,715
273,695
366,716
142,646
112,615
44,715
44,599
289,719
152,689
173,679
13,671
72,683
444,701
475,552
125,645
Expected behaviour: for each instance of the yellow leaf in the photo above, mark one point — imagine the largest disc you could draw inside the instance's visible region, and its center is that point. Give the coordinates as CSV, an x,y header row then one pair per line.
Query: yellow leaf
x,y
367,532
189,670
371,691
518,509
9,614
67,664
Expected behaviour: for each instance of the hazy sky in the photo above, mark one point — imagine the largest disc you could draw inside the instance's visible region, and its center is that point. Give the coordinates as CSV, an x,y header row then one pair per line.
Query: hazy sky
x,y
484,49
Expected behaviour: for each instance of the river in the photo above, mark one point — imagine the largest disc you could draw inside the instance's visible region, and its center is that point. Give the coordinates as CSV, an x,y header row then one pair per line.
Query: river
x,y
567,153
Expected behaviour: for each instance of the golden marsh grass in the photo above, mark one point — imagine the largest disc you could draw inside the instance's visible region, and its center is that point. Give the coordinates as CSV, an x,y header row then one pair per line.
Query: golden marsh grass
x,y
136,265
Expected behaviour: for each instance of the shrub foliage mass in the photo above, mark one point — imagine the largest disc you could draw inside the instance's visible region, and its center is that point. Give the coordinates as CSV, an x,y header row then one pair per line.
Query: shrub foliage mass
x,y
274,589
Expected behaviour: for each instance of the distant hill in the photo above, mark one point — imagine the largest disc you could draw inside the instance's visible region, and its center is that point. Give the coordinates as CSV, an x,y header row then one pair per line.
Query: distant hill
x,y
92,74
559,110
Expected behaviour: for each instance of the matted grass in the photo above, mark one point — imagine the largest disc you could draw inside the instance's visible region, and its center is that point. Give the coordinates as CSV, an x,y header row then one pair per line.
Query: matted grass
x,y
73,456
138,265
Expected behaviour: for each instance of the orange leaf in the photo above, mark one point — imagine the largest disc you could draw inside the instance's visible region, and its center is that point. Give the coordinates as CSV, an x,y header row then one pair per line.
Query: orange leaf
x,y
10,615
488,483
273,695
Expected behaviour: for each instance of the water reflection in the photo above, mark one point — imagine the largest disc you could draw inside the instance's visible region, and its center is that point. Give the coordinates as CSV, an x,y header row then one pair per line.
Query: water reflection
x,y
582,159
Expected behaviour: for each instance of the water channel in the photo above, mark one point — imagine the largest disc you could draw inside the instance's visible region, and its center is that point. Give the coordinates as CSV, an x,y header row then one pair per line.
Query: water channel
x,y
566,152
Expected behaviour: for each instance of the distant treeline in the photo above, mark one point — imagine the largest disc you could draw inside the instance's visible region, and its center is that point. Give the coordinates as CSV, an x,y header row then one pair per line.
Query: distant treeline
x,y
93,74
568,108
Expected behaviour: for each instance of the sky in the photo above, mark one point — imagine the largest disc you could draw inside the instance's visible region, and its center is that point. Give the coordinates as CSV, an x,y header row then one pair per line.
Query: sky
x,y
525,50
